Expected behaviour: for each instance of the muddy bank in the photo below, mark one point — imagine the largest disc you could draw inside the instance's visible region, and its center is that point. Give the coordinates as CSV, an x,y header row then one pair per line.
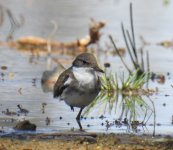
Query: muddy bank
x,y
84,141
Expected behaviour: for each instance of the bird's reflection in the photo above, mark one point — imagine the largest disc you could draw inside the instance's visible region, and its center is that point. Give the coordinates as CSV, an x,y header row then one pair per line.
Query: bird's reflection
x,y
50,76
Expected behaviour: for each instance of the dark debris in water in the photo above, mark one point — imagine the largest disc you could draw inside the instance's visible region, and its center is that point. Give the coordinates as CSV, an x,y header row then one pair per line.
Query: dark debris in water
x,y
43,105
34,81
158,124
47,121
160,78
92,117
118,123
164,104
166,44
9,113
102,117
107,65
20,91
22,110
2,76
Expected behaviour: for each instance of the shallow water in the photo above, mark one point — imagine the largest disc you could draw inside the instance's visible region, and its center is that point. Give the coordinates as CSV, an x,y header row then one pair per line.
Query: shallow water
x,y
152,20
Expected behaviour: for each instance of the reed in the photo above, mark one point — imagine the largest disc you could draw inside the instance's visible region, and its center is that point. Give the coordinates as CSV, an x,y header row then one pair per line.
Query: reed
x,y
129,39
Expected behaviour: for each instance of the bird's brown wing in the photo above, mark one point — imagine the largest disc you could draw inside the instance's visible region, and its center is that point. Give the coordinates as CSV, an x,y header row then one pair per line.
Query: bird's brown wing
x,y
60,83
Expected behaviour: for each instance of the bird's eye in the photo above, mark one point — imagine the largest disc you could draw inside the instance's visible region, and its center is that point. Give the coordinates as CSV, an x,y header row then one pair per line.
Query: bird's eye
x,y
84,62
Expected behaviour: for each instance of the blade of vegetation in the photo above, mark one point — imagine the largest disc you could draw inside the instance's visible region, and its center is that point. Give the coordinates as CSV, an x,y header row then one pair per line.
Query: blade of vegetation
x,y
142,60
132,31
154,111
1,15
127,45
111,39
132,46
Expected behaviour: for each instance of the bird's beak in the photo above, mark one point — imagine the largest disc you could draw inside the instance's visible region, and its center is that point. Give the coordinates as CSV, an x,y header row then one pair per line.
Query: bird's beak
x,y
96,68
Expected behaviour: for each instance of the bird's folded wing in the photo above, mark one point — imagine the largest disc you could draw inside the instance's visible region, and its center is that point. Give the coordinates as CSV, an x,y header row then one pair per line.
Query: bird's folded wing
x,y
62,82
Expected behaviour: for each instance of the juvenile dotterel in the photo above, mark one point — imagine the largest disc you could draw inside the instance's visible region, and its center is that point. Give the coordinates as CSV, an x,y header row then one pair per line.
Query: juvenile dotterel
x,y
79,85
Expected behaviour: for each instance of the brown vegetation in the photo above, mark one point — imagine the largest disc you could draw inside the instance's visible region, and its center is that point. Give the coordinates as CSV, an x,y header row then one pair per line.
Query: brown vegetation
x,y
37,44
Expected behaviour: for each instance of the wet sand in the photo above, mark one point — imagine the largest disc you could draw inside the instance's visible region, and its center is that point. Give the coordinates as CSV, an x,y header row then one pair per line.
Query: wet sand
x,y
84,141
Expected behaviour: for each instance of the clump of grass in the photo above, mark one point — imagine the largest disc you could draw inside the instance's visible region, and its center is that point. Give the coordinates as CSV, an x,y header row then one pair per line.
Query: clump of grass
x,y
136,79
124,94
134,82
109,83
129,39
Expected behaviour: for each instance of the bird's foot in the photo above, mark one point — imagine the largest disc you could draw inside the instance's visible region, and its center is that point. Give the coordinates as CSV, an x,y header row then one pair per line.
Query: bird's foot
x,y
72,108
82,130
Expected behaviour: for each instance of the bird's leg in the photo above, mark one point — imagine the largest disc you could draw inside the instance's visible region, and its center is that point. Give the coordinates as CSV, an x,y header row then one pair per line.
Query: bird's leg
x,y
72,108
78,119
79,114
80,126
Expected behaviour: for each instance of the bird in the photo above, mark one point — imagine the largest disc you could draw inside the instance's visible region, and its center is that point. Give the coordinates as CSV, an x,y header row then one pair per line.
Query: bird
x,y
80,84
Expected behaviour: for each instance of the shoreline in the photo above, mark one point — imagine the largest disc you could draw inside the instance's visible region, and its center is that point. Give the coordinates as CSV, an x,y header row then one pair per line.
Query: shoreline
x,y
84,141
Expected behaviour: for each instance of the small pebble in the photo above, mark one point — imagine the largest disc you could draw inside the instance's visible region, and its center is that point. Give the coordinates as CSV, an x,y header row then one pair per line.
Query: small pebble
x,y
60,118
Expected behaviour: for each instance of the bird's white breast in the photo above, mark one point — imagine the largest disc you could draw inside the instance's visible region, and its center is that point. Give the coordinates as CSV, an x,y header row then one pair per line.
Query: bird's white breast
x,y
84,76
85,91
